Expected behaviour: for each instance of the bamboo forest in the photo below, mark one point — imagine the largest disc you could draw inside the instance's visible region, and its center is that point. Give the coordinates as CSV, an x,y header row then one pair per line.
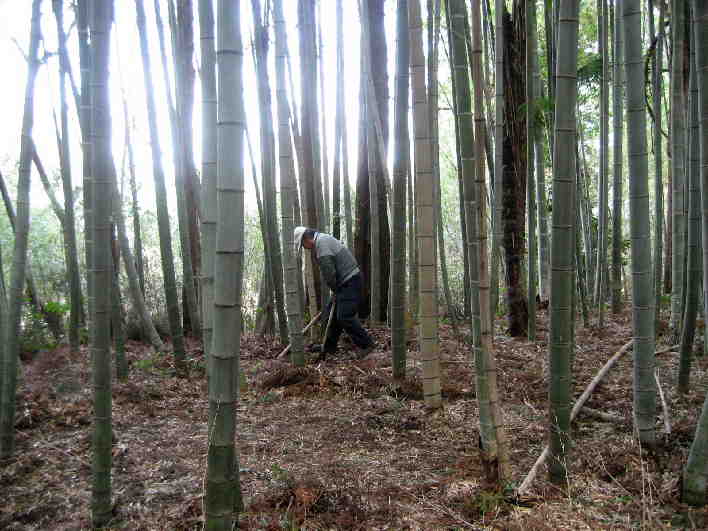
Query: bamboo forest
x,y
354,264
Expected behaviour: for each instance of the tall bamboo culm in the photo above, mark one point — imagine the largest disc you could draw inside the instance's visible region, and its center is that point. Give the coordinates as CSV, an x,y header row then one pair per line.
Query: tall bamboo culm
x,y
69,224
288,189
425,216
642,272
562,242
693,258
19,258
657,81
498,155
209,153
82,27
163,219
223,492
531,146
102,178
500,456
401,163
678,164
617,159
601,279
695,476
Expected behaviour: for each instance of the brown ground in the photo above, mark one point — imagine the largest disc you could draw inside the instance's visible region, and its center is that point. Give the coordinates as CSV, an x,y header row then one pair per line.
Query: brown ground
x,y
340,446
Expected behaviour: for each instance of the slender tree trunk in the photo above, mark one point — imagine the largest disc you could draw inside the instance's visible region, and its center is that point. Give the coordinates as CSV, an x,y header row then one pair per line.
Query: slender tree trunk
x,y
530,145
184,99
513,193
102,164
562,244
695,474
551,55
413,281
223,492
82,23
345,166
117,313
618,160
466,147
4,361
19,259
265,318
137,230
466,285
53,201
209,153
433,55
425,216
185,108
401,163
499,126
163,220
497,453
326,217
129,263
694,227
657,89
309,170
69,224
268,167
338,125
287,192
601,279
589,234
579,263
642,284
182,161
678,163
668,228
375,274
541,201
374,170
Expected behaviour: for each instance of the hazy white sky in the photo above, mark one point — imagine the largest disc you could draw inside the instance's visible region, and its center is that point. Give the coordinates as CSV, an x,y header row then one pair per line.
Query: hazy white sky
x,y
126,74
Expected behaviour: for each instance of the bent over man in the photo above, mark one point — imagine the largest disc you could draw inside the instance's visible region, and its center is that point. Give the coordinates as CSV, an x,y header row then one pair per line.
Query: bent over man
x,y
341,273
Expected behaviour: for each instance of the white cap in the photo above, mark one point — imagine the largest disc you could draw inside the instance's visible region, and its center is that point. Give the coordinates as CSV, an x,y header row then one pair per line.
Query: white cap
x,y
297,238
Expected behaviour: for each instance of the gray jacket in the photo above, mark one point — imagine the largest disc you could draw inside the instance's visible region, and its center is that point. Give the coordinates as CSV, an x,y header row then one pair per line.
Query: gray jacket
x,y
337,264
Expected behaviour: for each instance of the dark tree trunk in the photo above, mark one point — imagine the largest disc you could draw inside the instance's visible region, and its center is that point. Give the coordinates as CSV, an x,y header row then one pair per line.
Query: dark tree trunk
x,y
185,107
362,243
310,169
668,227
514,175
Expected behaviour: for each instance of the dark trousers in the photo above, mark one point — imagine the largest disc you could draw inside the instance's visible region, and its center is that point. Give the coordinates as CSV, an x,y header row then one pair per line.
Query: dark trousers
x,y
345,317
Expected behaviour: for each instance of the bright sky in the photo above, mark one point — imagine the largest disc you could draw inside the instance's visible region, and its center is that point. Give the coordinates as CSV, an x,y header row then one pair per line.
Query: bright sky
x,y
126,74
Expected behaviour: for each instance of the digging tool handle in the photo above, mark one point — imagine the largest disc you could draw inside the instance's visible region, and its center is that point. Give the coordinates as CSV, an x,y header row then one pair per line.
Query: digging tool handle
x,y
329,321
287,349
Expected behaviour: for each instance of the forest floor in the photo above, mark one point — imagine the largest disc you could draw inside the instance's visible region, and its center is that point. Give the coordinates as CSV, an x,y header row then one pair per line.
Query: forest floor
x,y
339,445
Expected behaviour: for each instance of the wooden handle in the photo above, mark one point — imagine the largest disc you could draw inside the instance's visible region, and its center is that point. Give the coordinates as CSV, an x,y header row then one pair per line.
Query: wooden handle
x,y
287,349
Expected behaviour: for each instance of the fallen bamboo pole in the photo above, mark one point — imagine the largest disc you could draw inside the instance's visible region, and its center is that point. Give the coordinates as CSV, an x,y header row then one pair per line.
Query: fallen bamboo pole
x,y
526,483
574,413
287,349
